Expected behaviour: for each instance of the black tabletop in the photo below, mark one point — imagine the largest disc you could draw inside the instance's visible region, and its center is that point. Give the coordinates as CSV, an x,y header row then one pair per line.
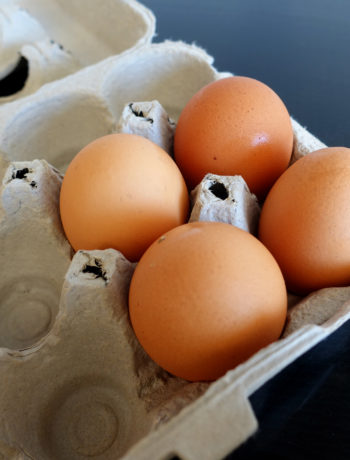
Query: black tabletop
x,y
301,49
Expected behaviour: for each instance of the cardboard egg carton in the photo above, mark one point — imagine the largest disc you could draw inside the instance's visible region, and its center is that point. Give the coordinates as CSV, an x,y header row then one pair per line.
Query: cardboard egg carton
x,y
44,40
74,381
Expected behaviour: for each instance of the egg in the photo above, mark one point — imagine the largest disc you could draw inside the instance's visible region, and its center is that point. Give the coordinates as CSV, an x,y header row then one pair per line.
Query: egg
x,y
305,221
121,191
204,297
234,126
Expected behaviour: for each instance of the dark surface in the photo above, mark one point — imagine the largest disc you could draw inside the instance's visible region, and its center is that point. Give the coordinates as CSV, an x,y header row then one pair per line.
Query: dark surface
x,y
301,49
304,412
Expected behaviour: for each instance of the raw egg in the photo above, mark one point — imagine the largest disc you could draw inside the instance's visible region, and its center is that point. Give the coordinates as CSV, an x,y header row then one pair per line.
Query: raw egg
x,y
234,126
204,297
121,191
305,221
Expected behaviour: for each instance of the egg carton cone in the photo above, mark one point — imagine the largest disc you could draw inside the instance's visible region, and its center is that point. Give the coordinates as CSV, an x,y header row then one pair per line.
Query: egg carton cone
x,y
225,199
47,40
74,381
150,120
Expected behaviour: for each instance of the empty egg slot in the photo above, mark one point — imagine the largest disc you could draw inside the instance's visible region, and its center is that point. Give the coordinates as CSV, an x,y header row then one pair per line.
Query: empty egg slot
x,y
28,307
31,238
57,128
16,79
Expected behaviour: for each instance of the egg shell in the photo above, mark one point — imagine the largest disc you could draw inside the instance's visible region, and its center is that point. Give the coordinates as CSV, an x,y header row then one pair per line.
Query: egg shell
x,y
204,297
121,191
234,126
305,221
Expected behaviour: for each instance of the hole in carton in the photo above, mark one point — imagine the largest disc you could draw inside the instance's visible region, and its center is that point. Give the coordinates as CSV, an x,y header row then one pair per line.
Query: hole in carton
x,y
96,270
16,79
20,173
219,190
158,74
139,113
57,128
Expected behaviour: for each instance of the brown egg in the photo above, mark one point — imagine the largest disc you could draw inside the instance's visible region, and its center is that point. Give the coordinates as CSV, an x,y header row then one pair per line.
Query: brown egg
x,y
305,221
204,297
234,126
121,191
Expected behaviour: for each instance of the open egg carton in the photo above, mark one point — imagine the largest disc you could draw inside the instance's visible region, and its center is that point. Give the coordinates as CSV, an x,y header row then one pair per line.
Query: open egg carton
x,y
74,381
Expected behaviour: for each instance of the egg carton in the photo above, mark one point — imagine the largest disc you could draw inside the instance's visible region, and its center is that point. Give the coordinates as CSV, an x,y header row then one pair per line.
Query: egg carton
x,y
44,40
74,381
